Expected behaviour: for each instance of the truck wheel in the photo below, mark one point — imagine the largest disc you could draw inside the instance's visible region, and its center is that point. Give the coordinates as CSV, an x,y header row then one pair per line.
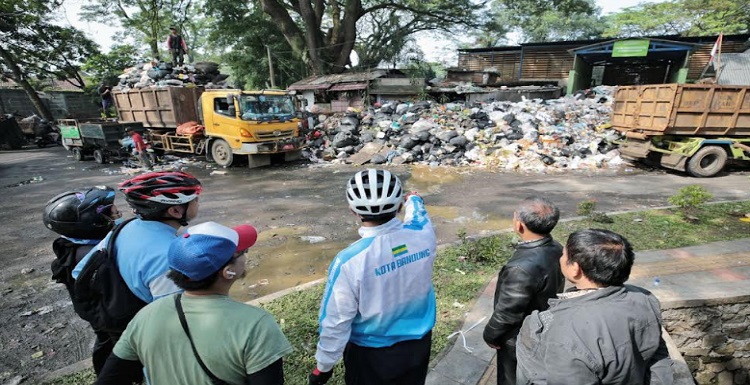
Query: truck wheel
x,y
708,161
221,152
99,156
77,154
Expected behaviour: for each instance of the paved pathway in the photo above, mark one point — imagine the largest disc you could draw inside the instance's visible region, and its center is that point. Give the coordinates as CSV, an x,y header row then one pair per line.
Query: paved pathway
x,y
707,274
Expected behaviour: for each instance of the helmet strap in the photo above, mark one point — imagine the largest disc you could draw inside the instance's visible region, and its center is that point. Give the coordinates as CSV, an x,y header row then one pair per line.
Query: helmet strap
x,y
183,221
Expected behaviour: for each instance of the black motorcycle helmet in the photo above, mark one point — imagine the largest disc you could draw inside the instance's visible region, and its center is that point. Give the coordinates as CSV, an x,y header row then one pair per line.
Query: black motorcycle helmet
x,y
82,214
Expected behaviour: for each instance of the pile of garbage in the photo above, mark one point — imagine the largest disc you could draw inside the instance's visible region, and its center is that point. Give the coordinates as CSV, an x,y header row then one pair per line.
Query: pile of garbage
x,y
532,135
163,74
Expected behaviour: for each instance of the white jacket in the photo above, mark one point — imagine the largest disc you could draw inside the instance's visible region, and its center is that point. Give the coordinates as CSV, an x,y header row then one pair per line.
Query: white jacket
x,y
379,290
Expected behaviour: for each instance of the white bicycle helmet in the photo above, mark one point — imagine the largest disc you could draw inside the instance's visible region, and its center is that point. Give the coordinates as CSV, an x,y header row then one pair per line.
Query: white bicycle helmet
x,y
374,192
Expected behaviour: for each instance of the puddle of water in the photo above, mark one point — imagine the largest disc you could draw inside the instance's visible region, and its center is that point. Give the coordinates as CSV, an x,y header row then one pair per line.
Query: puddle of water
x,y
283,258
426,179
474,222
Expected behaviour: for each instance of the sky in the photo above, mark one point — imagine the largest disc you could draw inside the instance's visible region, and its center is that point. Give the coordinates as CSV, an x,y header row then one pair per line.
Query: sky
x,y
435,48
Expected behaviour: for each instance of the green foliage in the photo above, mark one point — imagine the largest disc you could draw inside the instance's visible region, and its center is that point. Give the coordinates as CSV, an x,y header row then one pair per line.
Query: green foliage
x,y
689,199
586,207
105,67
683,17
539,21
147,21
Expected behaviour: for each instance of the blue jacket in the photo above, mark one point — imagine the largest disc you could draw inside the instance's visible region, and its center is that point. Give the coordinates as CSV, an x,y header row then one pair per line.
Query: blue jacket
x,y
379,289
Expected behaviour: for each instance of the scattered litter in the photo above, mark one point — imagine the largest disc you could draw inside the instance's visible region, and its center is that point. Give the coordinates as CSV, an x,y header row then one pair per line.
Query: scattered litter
x,y
457,304
41,311
463,336
218,172
37,355
35,179
15,380
459,271
27,270
637,220
312,238
263,282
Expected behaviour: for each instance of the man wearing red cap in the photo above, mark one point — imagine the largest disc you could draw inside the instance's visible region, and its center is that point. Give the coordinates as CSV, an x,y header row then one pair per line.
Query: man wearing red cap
x,y
231,342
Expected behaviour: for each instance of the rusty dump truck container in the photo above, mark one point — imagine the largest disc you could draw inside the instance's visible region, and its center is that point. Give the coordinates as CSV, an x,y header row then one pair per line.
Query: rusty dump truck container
x,y
159,108
682,109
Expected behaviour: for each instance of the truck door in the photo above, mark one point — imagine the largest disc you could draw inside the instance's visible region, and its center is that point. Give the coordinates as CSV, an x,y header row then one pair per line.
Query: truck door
x,y
222,123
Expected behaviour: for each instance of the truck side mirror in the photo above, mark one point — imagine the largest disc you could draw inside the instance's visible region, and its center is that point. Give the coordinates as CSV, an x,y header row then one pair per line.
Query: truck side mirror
x,y
230,99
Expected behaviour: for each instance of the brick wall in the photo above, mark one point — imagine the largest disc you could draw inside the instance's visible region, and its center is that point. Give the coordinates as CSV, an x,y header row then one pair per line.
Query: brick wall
x,y
714,340
62,104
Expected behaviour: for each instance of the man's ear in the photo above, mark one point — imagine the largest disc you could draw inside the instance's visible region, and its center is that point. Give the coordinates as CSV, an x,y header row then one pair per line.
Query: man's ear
x,y
576,271
520,228
176,211
228,273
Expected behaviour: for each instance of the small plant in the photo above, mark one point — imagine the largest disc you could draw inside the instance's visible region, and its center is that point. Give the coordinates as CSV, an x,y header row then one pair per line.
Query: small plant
x,y
586,207
689,199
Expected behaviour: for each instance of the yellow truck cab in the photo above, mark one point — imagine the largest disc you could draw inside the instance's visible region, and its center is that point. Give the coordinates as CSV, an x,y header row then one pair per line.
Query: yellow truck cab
x,y
256,124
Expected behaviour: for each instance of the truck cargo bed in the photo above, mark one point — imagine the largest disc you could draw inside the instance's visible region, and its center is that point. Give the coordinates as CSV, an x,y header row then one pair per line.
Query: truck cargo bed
x,y
158,108
682,109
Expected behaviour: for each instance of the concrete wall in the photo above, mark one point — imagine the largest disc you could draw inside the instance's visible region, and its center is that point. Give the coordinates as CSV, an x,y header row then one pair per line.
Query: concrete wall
x,y
62,104
714,340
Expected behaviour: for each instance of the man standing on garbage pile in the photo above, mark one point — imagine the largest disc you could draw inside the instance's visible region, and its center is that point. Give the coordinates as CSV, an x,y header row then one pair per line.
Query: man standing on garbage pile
x,y
105,92
82,218
527,281
230,341
177,47
378,308
162,203
140,147
601,331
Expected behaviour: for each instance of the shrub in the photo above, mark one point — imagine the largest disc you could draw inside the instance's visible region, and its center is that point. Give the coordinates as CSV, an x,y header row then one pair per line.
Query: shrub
x,y
689,199
586,207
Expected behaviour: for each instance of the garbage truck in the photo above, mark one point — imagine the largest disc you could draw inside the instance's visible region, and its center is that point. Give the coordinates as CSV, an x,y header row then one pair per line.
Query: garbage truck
x,y
256,124
693,128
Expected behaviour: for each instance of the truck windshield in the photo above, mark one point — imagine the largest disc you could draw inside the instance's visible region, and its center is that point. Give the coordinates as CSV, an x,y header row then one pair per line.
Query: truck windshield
x,y
266,107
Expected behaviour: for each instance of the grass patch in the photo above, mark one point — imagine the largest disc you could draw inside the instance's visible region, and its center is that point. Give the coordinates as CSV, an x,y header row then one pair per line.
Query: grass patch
x,y
461,271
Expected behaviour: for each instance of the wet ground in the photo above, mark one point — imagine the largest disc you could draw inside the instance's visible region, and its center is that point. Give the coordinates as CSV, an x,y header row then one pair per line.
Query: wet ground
x,y
302,215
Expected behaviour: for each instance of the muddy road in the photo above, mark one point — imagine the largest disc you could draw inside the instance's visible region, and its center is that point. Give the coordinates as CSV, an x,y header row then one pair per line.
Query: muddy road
x,y
300,211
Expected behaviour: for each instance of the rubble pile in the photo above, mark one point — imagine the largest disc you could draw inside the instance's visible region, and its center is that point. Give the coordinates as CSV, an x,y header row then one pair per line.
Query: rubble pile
x,y
163,74
531,135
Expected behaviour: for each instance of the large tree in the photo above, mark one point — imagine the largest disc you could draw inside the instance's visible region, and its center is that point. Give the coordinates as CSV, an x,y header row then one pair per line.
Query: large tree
x,y
681,17
33,49
147,21
549,20
323,33
105,67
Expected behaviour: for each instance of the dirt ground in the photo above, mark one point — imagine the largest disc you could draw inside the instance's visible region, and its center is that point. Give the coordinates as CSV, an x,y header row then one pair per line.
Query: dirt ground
x,y
301,212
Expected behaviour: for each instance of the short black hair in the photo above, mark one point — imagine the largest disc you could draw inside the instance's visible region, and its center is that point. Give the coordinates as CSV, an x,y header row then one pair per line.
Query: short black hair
x,y
378,219
539,214
183,282
605,257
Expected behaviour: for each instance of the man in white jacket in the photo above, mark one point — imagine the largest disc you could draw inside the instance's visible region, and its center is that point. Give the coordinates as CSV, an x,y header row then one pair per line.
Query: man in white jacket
x,y
378,308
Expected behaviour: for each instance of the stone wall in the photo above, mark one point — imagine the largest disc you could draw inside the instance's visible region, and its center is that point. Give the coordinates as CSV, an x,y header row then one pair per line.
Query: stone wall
x,y
714,339
62,104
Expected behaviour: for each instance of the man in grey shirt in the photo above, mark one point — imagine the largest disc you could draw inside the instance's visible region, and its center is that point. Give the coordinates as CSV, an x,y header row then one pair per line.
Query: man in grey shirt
x,y
600,332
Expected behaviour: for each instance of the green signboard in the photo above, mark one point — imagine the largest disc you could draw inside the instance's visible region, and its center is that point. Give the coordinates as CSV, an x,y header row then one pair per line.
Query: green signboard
x,y
70,132
630,48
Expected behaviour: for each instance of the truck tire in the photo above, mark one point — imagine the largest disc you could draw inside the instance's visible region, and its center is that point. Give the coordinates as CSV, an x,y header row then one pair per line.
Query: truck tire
x,y
221,153
99,156
77,154
707,162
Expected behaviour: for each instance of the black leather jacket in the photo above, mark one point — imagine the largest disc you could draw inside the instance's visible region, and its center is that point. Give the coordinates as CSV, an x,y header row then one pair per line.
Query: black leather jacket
x,y
530,278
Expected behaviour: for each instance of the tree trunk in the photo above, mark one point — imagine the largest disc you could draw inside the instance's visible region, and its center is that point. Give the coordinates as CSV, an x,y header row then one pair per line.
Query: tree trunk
x,y
20,79
291,32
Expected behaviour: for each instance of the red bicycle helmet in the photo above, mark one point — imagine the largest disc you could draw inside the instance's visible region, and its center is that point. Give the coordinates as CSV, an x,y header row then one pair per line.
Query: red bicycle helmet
x,y
151,193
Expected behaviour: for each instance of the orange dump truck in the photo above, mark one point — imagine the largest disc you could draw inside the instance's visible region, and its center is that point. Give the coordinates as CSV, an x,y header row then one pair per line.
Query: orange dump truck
x,y
697,128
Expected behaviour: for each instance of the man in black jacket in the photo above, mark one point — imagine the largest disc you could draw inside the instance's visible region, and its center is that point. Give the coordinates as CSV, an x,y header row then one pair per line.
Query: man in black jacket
x,y
526,282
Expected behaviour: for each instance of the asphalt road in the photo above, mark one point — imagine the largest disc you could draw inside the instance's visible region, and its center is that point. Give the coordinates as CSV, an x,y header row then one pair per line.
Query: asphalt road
x,y
300,211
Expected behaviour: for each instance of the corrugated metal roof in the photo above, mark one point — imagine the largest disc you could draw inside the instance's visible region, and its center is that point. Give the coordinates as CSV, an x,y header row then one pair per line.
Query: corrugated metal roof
x,y
735,69
348,87
325,81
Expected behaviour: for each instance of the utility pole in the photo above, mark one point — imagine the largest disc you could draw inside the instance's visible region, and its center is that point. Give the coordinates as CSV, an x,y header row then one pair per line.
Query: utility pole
x,y
270,67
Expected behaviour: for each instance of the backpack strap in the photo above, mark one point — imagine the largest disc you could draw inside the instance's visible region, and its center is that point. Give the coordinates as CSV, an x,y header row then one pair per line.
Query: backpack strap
x,y
111,241
214,380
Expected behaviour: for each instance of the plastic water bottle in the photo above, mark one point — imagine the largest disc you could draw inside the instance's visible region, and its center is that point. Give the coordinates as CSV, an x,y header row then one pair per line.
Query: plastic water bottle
x,y
657,281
